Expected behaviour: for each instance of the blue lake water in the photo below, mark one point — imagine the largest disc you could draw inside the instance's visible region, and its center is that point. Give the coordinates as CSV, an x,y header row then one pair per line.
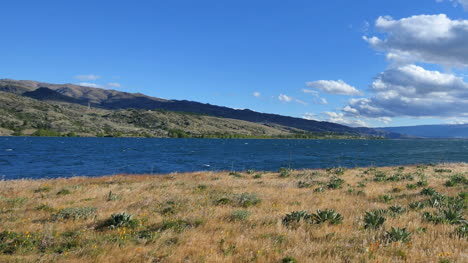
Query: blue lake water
x,y
34,157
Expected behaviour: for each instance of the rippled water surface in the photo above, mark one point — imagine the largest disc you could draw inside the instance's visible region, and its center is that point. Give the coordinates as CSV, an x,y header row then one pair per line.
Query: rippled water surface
x,y
33,157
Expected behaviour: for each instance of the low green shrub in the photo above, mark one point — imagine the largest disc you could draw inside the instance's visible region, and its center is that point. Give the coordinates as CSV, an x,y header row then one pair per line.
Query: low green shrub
x,y
327,215
284,172
373,220
289,260
335,183
120,220
429,191
385,198
398,235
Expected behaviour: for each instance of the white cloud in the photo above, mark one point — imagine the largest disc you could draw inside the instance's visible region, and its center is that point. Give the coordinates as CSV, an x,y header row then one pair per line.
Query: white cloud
x,y
333,87
114,85
257,94
89,77
457,121
432,39
285,98
89,84
340,118
310,116
323,101
300,102
412,91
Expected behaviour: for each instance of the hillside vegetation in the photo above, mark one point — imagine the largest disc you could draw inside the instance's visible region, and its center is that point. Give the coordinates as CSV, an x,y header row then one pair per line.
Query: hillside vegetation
x,y
118,100
25,116
395,214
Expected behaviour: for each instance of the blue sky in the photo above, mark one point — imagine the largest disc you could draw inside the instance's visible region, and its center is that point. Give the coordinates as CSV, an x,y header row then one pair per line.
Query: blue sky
x,y
284,57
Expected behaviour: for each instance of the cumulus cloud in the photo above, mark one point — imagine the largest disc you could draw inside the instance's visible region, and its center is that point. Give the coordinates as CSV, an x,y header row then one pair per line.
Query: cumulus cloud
x,y
257,94
89,84
285,98
333,87
340,118
432,39
89,77
309,116
412,91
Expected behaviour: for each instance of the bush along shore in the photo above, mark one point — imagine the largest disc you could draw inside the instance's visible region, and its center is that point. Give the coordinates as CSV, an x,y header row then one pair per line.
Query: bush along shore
x,y
390,214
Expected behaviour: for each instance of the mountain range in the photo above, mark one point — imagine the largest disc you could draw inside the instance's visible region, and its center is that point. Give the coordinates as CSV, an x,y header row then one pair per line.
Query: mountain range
x,y
113,101
452,131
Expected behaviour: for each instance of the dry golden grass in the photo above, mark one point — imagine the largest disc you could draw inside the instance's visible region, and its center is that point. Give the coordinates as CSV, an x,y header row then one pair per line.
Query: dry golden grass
x,y
209,233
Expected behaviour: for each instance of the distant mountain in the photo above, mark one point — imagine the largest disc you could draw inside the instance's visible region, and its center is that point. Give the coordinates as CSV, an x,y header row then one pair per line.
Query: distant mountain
x,y
432,131
115,100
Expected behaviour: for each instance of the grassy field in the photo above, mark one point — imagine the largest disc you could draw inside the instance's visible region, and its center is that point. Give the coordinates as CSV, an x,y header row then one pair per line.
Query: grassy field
x,y
393,214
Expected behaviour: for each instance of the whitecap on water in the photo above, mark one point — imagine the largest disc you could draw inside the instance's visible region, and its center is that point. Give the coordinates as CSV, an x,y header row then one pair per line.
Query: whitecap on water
x,y
8,150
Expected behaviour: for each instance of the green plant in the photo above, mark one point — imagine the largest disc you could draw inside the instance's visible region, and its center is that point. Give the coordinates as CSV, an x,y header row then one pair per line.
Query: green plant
x,y
385,198
429,191
239,215
442,170
75,213
223,201
396,209
411,186
294,218
202,187
337,170
11,241
335,183
120,220
235,174
169,207
422,183
446,216
322,216
250,171
257,176
45,207
416,205
456,179
437,200
247,199
462,231
319,190
288,260
398,234
64,191
373,220
379,176
284,172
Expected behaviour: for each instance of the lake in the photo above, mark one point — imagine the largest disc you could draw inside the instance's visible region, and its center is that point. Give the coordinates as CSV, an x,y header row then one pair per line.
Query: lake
x,y
40,157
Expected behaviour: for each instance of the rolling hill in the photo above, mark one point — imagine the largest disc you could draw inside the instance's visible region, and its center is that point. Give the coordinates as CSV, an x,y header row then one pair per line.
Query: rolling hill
x,y
112,100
